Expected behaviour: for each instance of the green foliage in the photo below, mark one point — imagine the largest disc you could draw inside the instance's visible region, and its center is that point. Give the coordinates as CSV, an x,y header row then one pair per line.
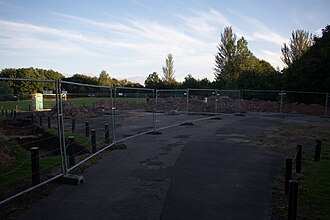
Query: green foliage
x,y
25,87
299,43
311,72
21,169
236,67
168,71
191,82
153,81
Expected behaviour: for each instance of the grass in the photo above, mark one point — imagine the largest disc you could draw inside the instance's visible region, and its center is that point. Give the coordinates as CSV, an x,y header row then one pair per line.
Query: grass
x,y
20,172
80,102
314,192
314,184
79,139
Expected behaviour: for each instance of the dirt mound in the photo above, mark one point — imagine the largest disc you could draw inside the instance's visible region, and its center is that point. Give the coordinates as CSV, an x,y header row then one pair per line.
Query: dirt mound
x,y
7,157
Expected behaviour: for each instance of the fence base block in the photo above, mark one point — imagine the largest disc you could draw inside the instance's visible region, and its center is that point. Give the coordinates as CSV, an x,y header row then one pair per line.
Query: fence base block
x,y
216,118
71,179
119,145
187,123
155,132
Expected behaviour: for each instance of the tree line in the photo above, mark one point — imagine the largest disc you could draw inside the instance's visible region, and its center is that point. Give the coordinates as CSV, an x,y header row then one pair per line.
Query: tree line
x,y
306,58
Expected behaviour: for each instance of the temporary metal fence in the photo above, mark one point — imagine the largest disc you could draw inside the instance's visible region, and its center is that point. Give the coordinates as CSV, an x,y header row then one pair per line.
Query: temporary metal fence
x,y
285,102
83,120
29,148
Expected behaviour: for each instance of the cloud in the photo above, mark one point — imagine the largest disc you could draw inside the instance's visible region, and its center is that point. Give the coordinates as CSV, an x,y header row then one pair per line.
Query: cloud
x,y
260,32
205,23
272,57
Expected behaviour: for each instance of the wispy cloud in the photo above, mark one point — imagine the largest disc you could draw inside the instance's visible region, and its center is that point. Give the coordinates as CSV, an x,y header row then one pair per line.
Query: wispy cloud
x,y
258,31
205,23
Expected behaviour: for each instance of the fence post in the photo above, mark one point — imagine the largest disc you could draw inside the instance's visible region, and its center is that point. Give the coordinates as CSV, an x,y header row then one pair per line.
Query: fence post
x,y
48,119
318,150
73,128
298,159
113,123
71,151
288,174
87,128
216,102
293,200
326,105
187,106
106,134
40,120
93,134
281,102
35,165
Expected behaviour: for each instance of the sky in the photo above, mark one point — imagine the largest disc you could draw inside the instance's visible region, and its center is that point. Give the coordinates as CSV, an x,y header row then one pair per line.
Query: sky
x,y
130,39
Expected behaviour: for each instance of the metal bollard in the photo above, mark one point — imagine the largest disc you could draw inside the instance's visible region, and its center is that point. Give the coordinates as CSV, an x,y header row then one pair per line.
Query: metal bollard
x,y
2,111
318,150
40,120
71,151
32,123
6,113
106,134
288,174
293,200
298,159
93,134
73,128
87,128
15,114
48,119
29,107
35,165
11,113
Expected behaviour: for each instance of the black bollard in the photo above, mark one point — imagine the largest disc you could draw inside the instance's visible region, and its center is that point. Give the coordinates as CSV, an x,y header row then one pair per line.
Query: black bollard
x,y
40,120
6,113
293,200
298,159
106,134
15,114
318,150
29,107
288,174
11,113
2,112
71,151
73,128
87,128
93,134
35,165
32,123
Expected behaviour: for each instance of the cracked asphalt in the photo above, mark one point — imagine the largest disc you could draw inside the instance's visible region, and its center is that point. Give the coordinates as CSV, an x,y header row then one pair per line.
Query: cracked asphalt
x,y
212,170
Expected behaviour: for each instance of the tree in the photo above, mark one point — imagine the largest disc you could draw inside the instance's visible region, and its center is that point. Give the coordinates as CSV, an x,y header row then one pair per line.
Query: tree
x,y
105,79
153,81
168,71
232,58
224,59
190,82
299,43
311,72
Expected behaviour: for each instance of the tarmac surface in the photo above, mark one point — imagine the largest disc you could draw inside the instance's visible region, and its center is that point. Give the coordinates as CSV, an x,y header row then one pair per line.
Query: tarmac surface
x,y
212,170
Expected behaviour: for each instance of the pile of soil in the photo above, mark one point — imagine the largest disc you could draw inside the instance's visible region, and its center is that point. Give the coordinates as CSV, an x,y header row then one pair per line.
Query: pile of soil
x,y
7,157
